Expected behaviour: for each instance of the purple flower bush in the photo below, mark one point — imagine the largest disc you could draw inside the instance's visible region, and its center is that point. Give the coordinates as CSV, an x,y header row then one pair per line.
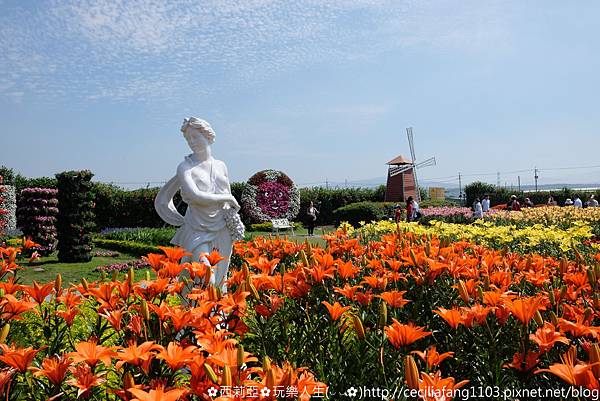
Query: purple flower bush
x,y
270,194
123,267
38,214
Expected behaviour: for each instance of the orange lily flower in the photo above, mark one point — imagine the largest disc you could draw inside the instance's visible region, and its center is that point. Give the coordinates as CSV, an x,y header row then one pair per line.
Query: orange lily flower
x,y
54,369
524,363
348,291
545,337
17,358
92,353
404,334
155,260
394,298
576,374
524,308
433,358
431,384
12,307
176,356
336,310
38,292
137,355
452,316
174,254
84,380
158,394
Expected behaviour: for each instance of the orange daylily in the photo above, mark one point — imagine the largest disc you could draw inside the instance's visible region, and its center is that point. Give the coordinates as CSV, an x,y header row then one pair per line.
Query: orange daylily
x,y
176,356
404,334
85,380
92,353
452,316
17,358
336,310
524,308
545,337
433,358
436,388
54,369
394,298
174,254
136,355
158,394
572,372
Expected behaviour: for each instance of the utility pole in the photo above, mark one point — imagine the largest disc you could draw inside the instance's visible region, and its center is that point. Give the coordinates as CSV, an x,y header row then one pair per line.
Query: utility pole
x,y
326,183
536,178
460,188
519,182
498,179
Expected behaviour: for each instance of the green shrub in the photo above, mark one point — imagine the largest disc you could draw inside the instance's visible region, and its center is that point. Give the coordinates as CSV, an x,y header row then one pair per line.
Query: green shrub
x,y
75,216
130,247
361,211
148,236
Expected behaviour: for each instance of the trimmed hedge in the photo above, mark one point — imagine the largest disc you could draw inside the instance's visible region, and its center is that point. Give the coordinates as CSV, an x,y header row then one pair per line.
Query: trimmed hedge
x,y
357,212
76,216
500,196
38,213
130,247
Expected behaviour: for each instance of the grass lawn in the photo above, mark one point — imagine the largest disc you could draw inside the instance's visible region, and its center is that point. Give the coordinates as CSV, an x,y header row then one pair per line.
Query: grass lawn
x,y
71,272
301,234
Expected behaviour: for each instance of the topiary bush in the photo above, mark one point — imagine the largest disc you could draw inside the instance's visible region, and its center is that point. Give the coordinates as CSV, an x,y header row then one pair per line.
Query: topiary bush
x,y
76,216
361,211
38,213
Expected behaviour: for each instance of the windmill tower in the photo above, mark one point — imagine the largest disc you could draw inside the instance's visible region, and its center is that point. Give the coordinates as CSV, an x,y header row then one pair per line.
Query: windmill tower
x,y
402,175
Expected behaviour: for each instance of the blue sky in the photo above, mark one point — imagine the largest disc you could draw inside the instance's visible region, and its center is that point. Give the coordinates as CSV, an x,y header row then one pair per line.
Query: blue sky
x,y
318,89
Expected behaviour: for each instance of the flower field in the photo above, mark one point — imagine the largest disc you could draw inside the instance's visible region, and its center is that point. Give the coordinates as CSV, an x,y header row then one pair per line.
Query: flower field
x,y
375,307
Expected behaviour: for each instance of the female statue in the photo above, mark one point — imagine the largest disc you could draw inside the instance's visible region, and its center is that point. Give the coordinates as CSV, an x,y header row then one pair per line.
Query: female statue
x,y
211,220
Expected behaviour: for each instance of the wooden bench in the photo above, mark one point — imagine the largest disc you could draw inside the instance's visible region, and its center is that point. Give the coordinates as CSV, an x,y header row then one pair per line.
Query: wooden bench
x,y
282,224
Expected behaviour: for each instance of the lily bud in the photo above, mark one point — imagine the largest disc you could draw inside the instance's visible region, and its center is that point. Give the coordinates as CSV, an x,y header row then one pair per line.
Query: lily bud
x,y
595,359
587,313
428,249
85,284
358,326
226,379
551,296
304,258
270,382
553,318
147,275
538,318
144,310
58,283
114,276
210,373
591,277
411,373
253,290
480,293
413,257
4,333
383,312
240,355
128,381
462,291
266,363
131,275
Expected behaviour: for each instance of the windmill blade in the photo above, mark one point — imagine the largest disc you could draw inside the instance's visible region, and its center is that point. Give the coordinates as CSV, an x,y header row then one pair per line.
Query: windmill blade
x,y
411,144
426,163
400,169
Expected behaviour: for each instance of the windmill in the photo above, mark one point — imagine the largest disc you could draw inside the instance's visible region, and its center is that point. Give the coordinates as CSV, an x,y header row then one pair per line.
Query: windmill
x,y
402,174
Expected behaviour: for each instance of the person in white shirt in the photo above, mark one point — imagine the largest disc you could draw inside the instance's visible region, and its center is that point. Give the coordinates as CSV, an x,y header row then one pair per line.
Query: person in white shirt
x,y
577,202
485,204
477,209
592,202
416,211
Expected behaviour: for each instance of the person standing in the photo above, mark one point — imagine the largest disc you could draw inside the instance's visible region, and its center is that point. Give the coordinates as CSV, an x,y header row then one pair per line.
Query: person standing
x,y
577,202
397,213
515,206
477,209
312,213
410,209
417,210
551,201
529,203
592,202
485,204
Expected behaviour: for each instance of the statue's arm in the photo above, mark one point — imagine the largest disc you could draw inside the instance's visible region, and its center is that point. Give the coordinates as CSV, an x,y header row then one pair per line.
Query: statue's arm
x,y
234,202
163,203
194,195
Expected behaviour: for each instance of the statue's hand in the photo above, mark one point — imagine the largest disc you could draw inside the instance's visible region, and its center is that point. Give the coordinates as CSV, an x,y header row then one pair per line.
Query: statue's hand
x,y
233,203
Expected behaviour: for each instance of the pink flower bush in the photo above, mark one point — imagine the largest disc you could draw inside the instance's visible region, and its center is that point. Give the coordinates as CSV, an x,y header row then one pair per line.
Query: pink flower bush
x,y
447,211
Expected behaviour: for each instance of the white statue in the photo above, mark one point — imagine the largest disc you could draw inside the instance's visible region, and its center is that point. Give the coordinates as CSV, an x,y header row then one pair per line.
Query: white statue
x,y
211,220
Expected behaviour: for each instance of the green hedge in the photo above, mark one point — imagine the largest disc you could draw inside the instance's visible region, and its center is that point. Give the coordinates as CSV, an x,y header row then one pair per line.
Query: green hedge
x,y
360,211
75,216
130,247
500,196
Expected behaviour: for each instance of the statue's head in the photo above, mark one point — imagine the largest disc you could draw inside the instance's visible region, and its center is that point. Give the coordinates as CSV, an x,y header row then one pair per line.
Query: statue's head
x,y
198,133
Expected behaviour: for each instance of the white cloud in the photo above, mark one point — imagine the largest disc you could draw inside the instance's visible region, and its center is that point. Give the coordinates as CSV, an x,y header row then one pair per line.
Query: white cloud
x,y
156,50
